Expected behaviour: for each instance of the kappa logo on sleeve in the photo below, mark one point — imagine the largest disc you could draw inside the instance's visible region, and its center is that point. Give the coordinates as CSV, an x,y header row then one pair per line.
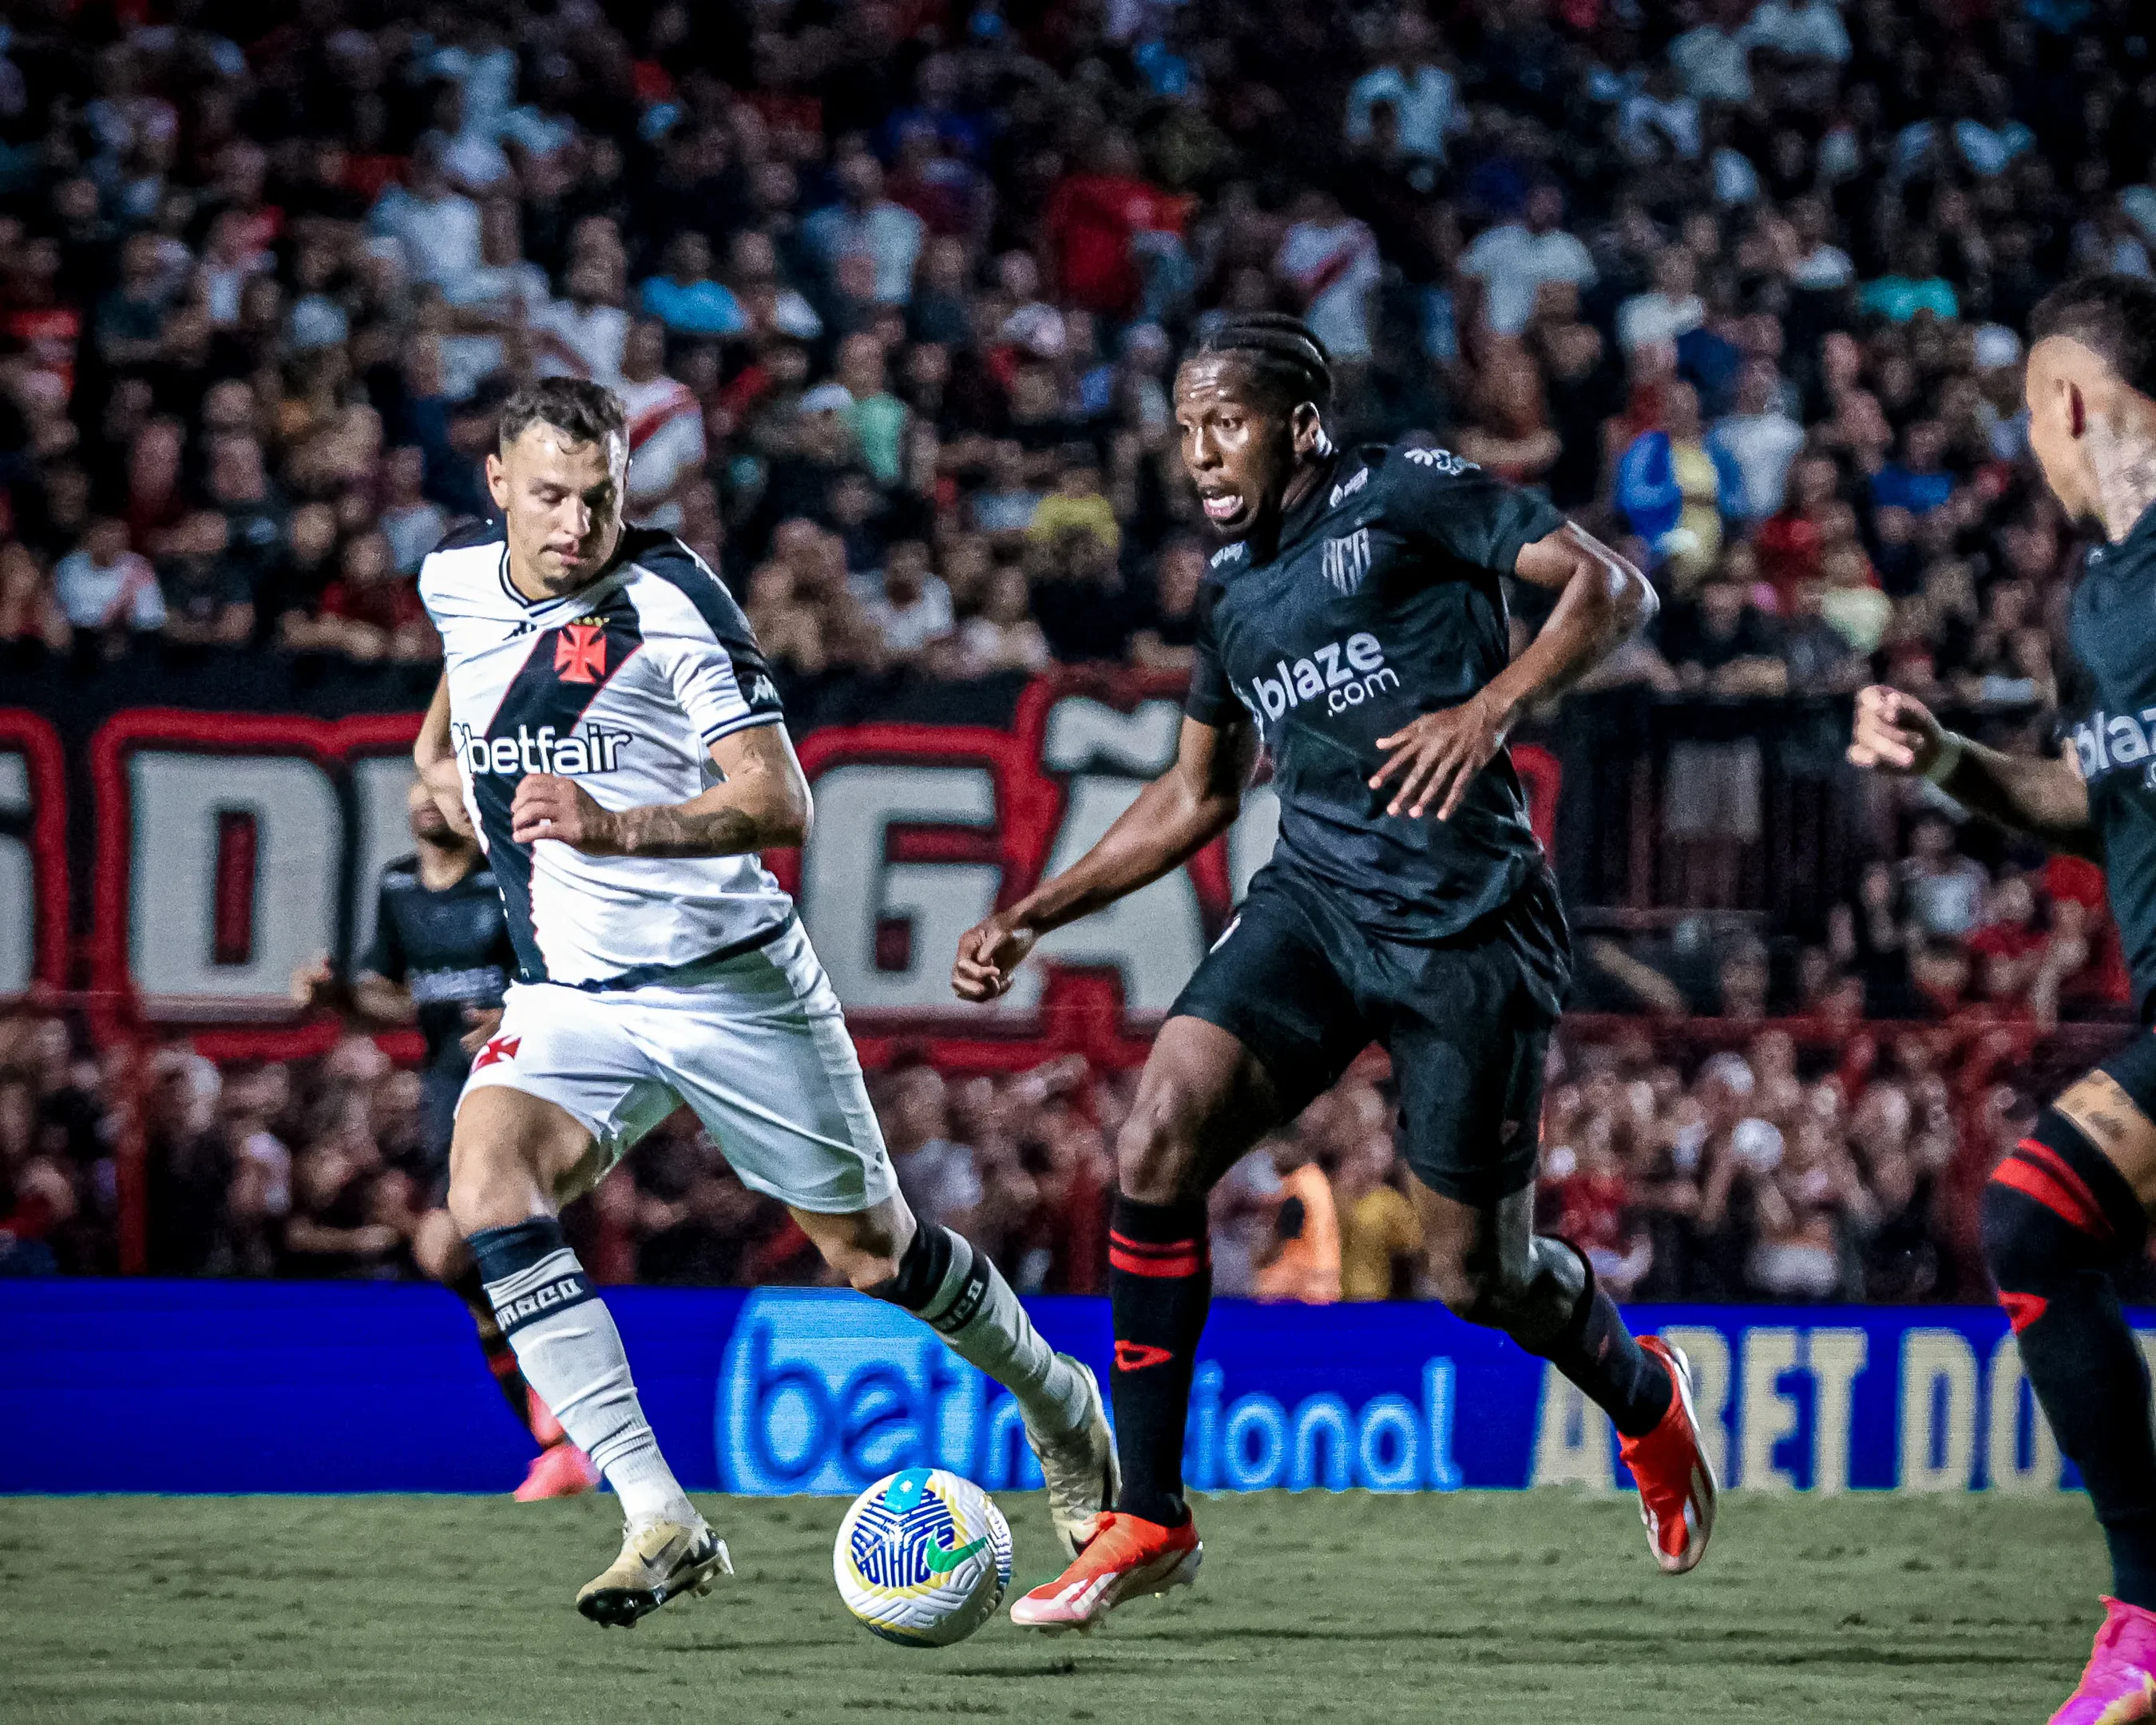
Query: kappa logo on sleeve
x,y
1444,460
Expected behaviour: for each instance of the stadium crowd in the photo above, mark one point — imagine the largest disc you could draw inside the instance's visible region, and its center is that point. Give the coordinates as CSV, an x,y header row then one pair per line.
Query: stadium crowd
x,y
893,290
1841,1169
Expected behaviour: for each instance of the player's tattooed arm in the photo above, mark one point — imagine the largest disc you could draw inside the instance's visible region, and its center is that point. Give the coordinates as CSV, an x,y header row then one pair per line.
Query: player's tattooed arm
x,y
1170,821
764,801
1896,733
1602,600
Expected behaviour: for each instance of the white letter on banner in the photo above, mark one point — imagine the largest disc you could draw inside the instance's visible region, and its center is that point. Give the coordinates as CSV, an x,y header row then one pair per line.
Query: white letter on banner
x,y
174,800
1259,1417
1572,1437
1082,734
1770,1414
1438,1402
1384,1418
1938,1365
2008,1391
2147,1341
847,888
1322,1421
1836,1357
1708,1350
18,898
1201,1435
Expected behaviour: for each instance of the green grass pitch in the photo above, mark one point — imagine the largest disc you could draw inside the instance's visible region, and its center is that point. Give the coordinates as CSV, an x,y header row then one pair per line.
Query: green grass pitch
x,y
1499,1609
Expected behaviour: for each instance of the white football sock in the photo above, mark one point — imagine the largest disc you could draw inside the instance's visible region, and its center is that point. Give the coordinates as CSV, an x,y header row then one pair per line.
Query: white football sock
x,y
570,1354
974,1310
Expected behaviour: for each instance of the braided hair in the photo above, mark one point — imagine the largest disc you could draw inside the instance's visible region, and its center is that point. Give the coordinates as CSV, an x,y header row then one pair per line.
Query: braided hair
x,y
1288,361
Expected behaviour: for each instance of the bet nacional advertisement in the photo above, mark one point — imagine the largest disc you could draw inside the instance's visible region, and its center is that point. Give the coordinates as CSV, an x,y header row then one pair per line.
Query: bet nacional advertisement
x,y
224,1387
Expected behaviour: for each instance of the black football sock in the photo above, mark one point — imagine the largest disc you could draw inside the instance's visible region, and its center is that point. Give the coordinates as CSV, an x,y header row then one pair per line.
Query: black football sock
x,y
500,1357
1596,1352
1160,1281
2057,1215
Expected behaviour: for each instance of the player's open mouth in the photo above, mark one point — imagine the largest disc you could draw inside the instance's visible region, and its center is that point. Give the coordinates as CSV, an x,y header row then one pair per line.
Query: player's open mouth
x,y
1222,506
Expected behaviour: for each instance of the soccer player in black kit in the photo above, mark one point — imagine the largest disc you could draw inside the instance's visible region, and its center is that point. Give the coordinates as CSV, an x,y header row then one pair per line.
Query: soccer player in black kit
x,y
440,959
2071,1201
1353,626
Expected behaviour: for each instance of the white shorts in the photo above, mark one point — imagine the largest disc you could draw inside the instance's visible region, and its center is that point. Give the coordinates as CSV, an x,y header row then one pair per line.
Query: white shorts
x,y
756,1046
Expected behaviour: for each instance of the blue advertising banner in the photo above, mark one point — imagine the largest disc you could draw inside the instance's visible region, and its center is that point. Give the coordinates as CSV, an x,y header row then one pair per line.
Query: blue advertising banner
x,y
149,1386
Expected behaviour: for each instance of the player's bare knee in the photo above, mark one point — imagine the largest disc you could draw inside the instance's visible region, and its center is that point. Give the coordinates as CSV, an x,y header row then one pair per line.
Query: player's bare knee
x,y
494,1182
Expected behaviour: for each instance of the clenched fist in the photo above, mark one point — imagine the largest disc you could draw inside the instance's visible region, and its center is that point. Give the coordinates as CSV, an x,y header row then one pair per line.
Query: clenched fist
x,y
989,954
1894,733
549,806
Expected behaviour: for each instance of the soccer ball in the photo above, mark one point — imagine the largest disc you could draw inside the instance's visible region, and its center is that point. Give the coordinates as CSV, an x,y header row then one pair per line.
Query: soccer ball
x,y
923,1557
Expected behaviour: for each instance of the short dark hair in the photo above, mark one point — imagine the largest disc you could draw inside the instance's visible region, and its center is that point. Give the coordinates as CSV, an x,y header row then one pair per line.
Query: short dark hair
x,y
2114,317
1287,360
587,412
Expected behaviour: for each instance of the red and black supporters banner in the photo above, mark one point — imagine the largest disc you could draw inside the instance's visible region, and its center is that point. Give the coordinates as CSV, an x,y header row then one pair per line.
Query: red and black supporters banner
x,y
184,861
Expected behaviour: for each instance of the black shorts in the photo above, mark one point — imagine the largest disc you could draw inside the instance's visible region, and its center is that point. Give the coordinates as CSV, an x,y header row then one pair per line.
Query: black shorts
x,y
1466,1019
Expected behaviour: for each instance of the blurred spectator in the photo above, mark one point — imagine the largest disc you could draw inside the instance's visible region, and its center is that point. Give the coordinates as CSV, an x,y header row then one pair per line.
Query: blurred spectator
x,y
908,605
1945,890
1511,260
1302,1258
1423,97
938,1178
686,297
1380,1237
863,221
106,590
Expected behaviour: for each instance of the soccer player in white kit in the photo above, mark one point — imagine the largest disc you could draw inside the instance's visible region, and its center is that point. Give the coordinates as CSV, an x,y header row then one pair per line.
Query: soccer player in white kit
x,y
606,723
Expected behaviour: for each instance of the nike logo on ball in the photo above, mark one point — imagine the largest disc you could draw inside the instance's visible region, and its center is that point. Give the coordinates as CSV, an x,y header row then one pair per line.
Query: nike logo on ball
x,y
943,1559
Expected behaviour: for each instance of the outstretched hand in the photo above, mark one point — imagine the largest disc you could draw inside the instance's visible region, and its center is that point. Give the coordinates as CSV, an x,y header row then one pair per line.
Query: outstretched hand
x,y
1436,758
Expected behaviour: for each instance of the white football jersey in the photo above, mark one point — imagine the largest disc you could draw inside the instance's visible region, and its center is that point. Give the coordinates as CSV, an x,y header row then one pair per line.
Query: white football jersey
x,y
622,686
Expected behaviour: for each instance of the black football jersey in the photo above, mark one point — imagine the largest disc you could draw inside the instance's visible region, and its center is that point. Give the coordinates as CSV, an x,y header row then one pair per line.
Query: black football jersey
x,y
1383,600
450,948
2113,629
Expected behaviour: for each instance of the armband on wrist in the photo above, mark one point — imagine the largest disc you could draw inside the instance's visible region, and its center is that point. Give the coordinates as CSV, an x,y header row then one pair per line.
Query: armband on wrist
x,y
1949,758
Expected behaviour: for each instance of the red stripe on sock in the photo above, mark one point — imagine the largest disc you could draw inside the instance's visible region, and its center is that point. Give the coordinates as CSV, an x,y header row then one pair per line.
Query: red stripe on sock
x,y
1188,1264
1152,1249
2060,1169
2022,1310
2032,1181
